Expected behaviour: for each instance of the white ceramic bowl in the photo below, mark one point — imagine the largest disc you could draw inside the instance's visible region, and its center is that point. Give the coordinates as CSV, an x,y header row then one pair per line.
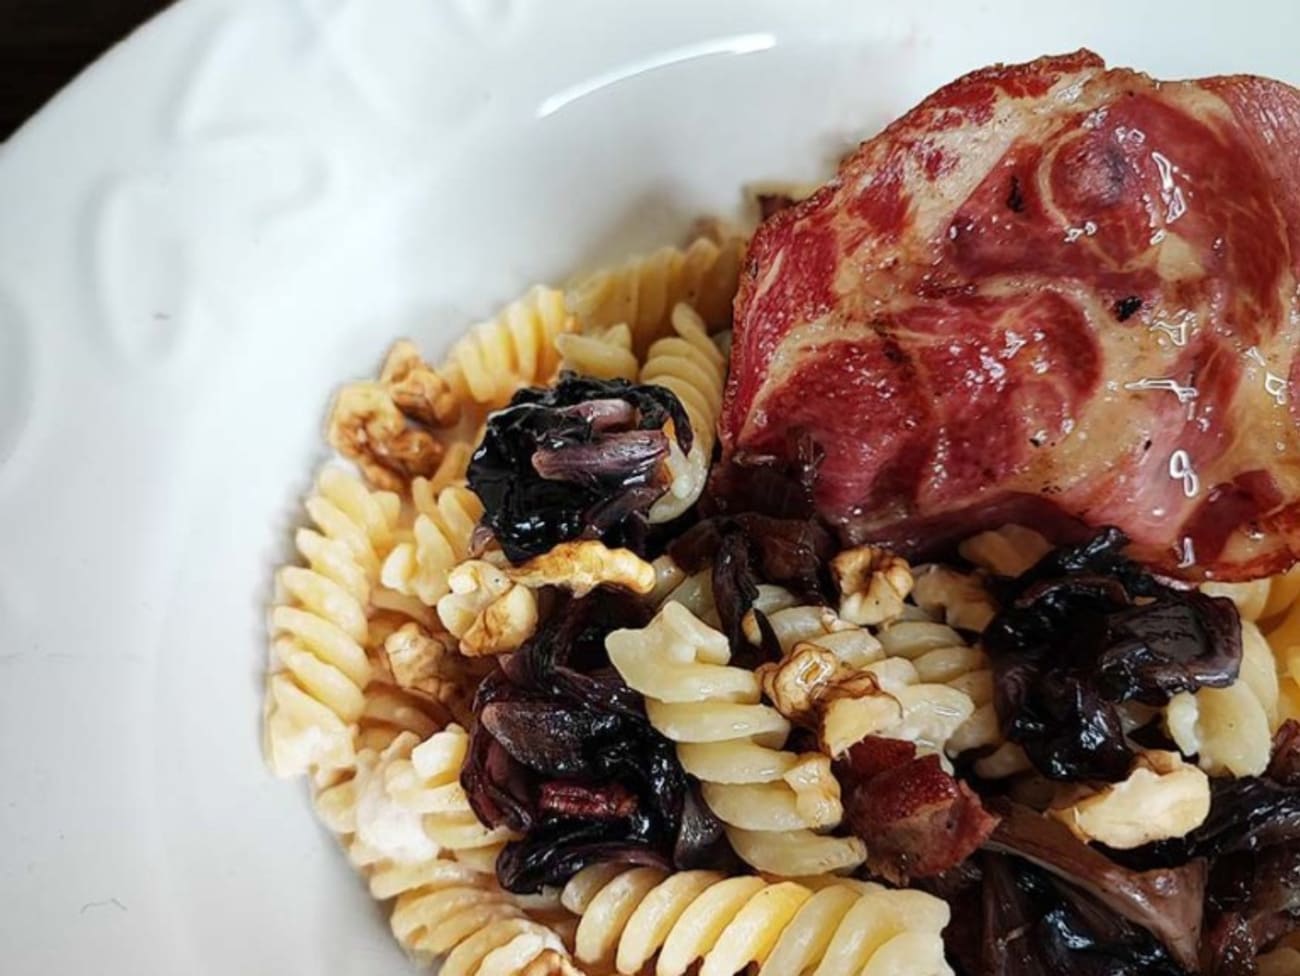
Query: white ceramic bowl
x,y
239,208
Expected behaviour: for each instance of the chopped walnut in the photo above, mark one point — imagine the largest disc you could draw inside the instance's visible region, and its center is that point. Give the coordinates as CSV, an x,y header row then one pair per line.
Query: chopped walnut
x,y
427,666
795,684
417,388
1163,797
583,566
384,426
489,612
873,583
814,688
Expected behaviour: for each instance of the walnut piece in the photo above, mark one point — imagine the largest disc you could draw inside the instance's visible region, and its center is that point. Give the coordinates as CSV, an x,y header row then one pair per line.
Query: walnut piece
x,y
1163,797
582,566
814,688
488,611
417,389
427,666
873,584
795,684
385,426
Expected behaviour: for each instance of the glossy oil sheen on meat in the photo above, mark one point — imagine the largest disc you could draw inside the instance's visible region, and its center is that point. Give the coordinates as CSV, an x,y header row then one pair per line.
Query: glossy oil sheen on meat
x,y
1052,292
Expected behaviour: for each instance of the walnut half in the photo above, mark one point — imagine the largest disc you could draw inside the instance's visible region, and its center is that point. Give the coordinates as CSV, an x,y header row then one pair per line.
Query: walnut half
x,y
582,566
418,390
873,584
814,688
427,666
384,426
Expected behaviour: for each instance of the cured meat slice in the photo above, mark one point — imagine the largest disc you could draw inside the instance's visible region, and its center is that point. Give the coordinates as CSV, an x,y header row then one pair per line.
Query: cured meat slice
x,y
1052,293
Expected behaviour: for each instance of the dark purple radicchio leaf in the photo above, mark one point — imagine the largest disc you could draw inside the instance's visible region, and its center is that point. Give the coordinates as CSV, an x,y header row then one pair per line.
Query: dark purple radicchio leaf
x,y
1086,629
562,753
780,489
1167,903
748,549
1251,838
1033,924
583,459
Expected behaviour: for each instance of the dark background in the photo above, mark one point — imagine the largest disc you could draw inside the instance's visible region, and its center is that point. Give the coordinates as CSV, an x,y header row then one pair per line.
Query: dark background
x,y
44,43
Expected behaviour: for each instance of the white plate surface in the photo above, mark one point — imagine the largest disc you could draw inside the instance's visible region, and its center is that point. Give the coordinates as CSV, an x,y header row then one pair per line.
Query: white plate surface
x,y
239,208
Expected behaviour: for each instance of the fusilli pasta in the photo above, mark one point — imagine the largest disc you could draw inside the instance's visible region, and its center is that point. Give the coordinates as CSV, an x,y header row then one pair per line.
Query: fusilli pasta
x,y
451,470
439,539
1007,551
1279,619
643,291
630,915
958,599
389,712
1231,729
691,366
732,743
516,349
405,824
320,629
942,656
1283,960
1280,962
606,353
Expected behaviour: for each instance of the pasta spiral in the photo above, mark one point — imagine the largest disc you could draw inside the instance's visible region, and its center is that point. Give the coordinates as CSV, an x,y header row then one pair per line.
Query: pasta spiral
x,y
1007,551
439,540
452,469
319,627
958,599
771,800
691,366
389,712
643,291
695,593
405,824
941,655
628,916
1279,620
1280,962
605,354
1231,729
516,349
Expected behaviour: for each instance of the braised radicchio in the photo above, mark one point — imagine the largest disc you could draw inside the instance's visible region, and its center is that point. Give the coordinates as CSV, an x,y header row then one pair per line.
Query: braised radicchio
x,y
562,753
1086,629
1166,902
1032,923
917,820
1251,839
748,549
583,459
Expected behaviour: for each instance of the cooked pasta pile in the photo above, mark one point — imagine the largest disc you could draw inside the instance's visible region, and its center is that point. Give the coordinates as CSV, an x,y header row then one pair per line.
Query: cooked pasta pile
x,y
768,721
